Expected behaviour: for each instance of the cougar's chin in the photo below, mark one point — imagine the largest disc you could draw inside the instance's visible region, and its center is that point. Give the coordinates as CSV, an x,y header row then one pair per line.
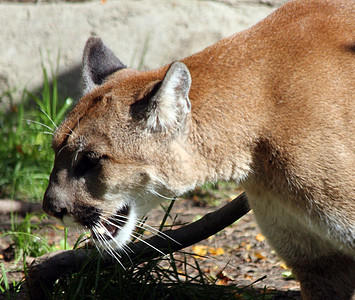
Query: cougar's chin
x,y
115,231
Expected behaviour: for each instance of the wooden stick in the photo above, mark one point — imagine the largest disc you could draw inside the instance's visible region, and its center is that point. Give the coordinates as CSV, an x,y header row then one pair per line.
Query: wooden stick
x,y
45,270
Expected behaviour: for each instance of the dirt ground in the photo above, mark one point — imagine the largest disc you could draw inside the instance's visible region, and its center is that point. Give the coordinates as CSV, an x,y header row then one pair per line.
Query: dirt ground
x,y
239,251
246,256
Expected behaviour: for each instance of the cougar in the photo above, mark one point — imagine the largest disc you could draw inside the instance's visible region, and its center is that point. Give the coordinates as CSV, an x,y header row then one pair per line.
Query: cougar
x,y
271,108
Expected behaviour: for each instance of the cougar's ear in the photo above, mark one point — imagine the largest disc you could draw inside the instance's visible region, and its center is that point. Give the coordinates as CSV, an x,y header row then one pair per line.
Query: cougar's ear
x,y
98,63
170,104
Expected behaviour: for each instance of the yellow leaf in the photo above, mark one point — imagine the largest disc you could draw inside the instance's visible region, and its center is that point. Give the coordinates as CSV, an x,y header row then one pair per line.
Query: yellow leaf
x,y
216,251
200,250
259,237
222,282
246,276
284,266
60,227
259,255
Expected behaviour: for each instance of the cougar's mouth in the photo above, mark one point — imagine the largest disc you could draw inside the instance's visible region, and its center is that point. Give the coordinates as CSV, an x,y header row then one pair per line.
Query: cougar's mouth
x,y
108,228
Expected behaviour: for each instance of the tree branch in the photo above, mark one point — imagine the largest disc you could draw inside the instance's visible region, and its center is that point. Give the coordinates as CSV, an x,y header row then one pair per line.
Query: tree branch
x,y
45,270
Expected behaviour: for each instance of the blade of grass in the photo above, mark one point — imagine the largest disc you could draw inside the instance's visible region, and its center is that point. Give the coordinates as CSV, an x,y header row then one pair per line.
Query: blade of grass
x,y
144,52
167,212
4,279
67,104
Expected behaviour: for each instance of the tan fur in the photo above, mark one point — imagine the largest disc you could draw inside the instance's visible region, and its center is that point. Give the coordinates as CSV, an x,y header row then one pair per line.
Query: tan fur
x,y
271,108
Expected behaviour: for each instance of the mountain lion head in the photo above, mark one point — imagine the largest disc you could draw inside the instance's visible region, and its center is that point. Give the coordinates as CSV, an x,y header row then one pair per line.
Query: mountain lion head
x,y
123,148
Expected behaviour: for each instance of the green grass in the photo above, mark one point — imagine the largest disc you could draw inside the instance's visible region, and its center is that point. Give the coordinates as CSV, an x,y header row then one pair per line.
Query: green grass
x,y
25,238
164,278
8,288
26,157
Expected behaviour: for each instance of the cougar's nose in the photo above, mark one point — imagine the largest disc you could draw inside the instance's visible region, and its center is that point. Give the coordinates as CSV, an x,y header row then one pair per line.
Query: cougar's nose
x,y
55,204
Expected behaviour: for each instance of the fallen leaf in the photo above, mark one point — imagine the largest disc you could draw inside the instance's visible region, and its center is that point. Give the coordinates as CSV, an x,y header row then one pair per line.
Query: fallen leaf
x,y
246,276
216,251
199,250
60,227
222,282
284,266
259,237
259,255
222,279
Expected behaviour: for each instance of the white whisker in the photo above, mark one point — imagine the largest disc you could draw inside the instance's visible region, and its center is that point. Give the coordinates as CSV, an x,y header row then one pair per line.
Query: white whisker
x,y
159,233
145,242
46,132
106,244
113,252
149,228
133,235
71,130
50,119
128,248
76,156
39,123
62,149
161,196
125,252
96,245
108,241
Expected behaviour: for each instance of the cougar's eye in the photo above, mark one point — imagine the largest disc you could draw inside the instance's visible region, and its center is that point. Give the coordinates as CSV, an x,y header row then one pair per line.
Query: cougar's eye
x,y
88,161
